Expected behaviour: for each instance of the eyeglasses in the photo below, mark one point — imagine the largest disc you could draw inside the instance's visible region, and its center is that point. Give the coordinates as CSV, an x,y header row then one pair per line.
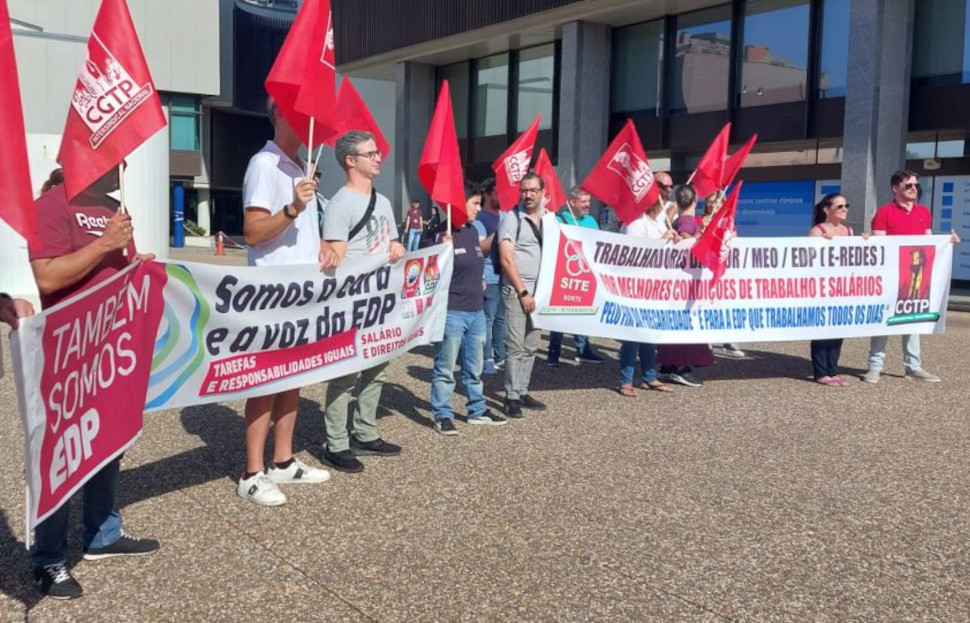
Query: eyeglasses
x,y
666,186
912,185
839,206
530,191
371,155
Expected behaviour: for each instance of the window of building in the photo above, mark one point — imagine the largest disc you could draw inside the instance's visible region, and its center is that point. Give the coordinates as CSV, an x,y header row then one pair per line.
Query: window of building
x,y
184,123
834,55
637,67
457,77
941,42
702,61
774,58
534,89
492,96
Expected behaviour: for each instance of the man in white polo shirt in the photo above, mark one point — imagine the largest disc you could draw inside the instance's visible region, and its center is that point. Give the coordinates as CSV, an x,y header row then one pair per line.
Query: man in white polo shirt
x,y
282,227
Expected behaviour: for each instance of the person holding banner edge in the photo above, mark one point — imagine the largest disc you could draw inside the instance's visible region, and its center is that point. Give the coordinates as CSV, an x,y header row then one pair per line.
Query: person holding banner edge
x,y
83,242
359,222
12,310
281,227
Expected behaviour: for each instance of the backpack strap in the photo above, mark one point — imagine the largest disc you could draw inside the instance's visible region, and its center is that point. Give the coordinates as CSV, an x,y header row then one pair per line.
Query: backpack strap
x,y
367,214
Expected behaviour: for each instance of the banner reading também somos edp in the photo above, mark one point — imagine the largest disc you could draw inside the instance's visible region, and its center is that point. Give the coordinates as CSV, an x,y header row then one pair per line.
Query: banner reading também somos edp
x,y
775,289
168,335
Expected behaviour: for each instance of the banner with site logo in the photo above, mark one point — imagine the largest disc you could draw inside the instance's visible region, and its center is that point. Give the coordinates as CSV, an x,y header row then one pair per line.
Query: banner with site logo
x,y
169,335
775,289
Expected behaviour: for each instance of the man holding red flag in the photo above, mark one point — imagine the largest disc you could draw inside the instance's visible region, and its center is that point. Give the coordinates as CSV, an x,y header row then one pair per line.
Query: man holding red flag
x,y
359,222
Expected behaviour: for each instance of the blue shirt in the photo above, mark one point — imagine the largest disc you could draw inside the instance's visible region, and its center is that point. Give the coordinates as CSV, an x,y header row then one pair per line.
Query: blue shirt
x,y
487,224
566,216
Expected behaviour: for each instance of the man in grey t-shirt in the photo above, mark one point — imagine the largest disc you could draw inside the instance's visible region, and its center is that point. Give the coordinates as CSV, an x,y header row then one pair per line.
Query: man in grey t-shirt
x,y
357,153
520,249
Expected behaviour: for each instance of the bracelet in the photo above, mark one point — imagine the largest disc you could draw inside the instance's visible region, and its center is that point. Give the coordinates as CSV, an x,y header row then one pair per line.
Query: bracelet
x,y
523,293
286,212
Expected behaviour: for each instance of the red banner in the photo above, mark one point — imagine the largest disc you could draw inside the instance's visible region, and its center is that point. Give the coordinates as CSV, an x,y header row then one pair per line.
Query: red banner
x,y
555,195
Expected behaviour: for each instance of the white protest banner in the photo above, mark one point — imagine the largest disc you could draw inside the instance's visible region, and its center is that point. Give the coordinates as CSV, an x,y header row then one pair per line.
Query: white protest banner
x,y
775,289
168,335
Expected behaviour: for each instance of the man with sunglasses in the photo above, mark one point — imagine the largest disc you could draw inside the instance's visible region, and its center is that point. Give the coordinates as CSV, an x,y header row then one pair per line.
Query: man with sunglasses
x,y
903,216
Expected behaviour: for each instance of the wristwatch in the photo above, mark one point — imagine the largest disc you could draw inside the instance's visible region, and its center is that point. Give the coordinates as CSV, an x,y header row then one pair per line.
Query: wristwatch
x,y
523,293
286,212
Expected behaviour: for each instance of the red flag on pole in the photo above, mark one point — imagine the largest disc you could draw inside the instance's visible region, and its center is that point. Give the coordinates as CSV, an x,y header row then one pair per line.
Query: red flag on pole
x,y
732,166
513,164
353,114
555,195
440,166
115,107
709,173
712,248
623,179
303,80
16,198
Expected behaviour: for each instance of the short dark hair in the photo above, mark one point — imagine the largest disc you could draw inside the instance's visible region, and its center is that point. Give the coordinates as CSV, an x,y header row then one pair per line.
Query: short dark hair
x,y
685,196
472,189
488,185
901,175
532,175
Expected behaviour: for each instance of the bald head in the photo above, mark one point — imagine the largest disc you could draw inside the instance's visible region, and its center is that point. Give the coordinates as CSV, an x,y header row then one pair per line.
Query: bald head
x,y
665,183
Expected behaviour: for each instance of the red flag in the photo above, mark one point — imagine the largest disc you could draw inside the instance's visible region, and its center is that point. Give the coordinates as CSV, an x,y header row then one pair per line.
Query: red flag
x,y
440,166
555,195
16,198
115,107
303,80
353,114
710,170
513,164
712,248
623,179
733,164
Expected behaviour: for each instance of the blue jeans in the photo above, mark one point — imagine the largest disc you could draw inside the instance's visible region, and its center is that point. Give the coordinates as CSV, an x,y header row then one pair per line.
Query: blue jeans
x,y
465,332
911,352
414,239
581,342
628,362
102,523
494,323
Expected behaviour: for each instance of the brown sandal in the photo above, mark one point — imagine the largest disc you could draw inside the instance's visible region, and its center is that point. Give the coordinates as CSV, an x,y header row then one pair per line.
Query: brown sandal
x,y
626,391
656,386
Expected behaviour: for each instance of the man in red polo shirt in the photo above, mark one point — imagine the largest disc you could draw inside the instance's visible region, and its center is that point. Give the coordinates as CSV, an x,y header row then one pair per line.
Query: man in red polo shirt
x,y
903,216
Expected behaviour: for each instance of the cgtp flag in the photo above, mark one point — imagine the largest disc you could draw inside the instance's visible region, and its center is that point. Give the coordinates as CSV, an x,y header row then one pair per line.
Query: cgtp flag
x,y
555,195
732,166
709,174
623,179
440,166
353,114
513,164
115,107
303,79
16,198
714,245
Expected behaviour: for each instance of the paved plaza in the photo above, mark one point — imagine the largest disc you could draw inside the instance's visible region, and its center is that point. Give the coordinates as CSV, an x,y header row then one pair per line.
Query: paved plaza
x,y
759,497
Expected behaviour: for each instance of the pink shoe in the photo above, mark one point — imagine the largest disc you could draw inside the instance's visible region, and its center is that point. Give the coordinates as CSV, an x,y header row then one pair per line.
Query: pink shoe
x,y
841,381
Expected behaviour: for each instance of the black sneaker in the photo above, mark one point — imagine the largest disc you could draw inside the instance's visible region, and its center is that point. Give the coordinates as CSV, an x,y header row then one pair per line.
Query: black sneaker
x,y
56,582
684,377
552,362
528,402
445,427
513,409
343,461
488,419
589,357
125,546
378,447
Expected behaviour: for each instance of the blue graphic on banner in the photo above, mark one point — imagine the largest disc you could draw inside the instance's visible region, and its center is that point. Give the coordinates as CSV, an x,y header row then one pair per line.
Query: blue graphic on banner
x,y
776,208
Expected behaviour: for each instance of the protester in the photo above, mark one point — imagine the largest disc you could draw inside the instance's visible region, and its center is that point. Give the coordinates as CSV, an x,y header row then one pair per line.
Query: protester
x,y
520,240
56,178
464,328
67,260
665,185
415,220
359,223
646,226
575,212
281,228
434,225
713,203
829,222
608,220
489,219
903,216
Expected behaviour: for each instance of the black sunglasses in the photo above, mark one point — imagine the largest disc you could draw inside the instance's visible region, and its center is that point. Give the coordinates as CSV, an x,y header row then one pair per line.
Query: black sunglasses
x,y
912,185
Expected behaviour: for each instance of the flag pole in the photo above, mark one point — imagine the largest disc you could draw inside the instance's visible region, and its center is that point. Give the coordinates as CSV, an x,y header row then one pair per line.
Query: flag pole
x,y
121,188
449,218
309,152
27,532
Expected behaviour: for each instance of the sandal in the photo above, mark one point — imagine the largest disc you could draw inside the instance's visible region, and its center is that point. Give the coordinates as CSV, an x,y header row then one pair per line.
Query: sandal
x,y
626,391
656,386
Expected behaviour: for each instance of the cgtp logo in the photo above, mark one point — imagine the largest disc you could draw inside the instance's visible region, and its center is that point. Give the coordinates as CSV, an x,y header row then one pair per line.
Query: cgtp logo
x,y
517,165
412,278
915,278
328,56
634,170
106,93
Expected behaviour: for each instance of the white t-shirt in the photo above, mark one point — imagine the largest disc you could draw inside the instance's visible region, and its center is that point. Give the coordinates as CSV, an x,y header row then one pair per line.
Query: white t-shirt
x,y
645,227
270,179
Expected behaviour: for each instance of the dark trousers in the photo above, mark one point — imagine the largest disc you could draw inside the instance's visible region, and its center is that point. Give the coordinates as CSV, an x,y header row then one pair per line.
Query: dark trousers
x,y
825,357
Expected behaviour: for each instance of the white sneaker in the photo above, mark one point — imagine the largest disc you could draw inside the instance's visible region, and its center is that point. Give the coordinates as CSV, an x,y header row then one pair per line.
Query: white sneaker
x,y
922,375
872,376
260,489
298,472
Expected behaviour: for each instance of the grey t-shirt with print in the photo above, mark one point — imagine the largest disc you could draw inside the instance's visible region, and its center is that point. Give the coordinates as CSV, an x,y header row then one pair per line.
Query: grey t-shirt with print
x,y
528,249
345,210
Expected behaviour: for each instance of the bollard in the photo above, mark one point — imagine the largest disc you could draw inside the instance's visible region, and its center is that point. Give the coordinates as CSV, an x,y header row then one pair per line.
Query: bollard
x,y
220,245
